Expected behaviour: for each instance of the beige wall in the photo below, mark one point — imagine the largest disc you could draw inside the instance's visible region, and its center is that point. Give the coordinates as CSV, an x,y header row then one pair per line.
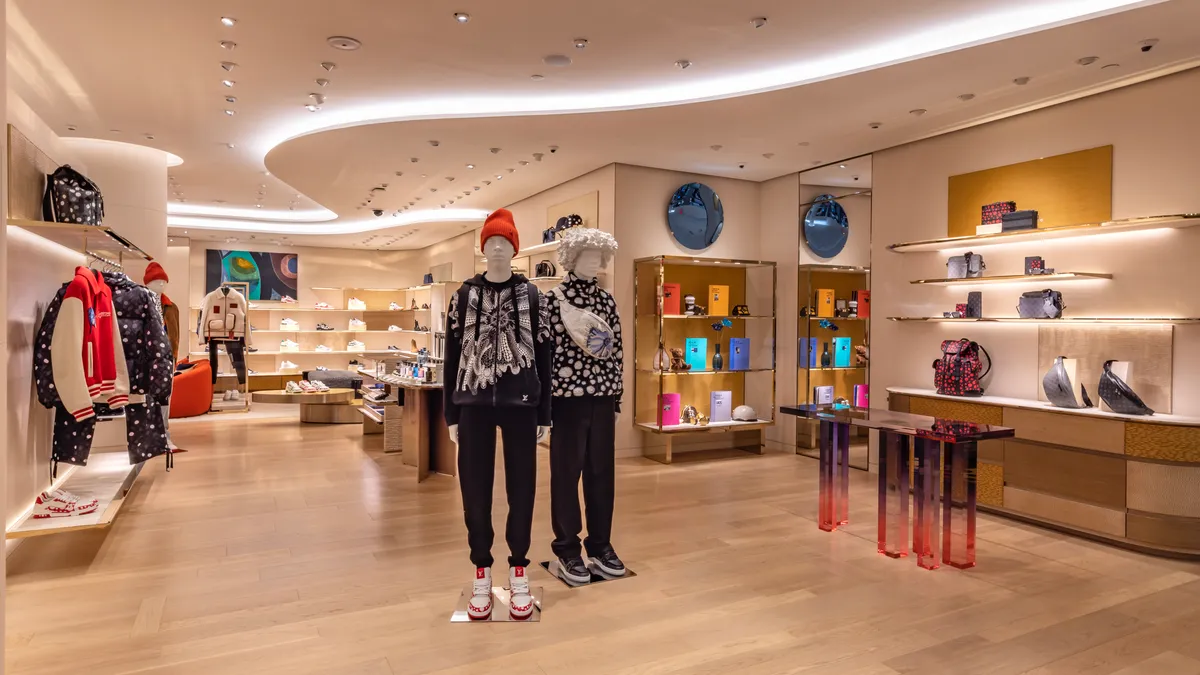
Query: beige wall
x,y
459,251
779,203
1156,171
530,214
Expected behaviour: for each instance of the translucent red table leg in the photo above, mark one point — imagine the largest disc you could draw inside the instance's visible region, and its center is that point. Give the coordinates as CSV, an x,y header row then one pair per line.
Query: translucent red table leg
x,y
927,479
958,508
893,494
834,490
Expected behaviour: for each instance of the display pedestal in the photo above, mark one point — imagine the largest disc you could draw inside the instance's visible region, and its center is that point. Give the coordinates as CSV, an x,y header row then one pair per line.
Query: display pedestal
x,y
551,566
500,607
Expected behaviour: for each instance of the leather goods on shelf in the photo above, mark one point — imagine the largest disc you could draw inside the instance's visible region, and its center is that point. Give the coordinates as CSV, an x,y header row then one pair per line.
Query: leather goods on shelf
x,y
974,305
1047,304
72,197
966,266
994,212
1118,396
1059,389
960,371
1019,220
545,269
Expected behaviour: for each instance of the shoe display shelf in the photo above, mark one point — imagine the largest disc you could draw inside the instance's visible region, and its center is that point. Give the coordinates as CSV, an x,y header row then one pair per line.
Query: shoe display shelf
x,y
751,283
814,339
107,477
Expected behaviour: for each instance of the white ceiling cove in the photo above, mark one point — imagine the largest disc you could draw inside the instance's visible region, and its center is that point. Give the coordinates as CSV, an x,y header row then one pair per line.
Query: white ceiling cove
x,y
437,121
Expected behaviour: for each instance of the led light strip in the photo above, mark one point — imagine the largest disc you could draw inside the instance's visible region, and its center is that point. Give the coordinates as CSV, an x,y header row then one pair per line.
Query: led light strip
x,y
340,227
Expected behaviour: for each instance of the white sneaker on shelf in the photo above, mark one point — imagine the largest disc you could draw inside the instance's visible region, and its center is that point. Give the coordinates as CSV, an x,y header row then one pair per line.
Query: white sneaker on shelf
x,y
394,306
234,395
293,387
289,346
83,505
355,344
356,304
324,348
288,299
307,387
394,328
520,603
321,386
50,505
324,305
479,607
288,365
289,324
358,324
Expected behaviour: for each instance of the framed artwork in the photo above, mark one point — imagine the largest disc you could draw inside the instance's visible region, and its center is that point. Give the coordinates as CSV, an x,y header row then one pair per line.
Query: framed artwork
x,y
269,276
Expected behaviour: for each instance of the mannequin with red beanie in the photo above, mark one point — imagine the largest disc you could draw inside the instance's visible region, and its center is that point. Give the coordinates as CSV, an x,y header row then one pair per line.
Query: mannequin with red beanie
x,y
497,376
156,280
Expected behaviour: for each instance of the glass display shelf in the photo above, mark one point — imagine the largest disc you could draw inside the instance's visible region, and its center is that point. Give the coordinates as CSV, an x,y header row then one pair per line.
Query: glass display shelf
x,y
1044,233
724,371
673,317
1017,319
1015,279
96,239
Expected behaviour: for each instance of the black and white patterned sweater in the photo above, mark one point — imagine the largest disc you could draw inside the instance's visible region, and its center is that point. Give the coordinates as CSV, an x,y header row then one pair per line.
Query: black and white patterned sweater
x,y
576,371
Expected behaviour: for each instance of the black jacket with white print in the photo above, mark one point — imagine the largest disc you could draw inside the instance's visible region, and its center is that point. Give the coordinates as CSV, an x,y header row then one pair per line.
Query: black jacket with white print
x,y
576,371
497,347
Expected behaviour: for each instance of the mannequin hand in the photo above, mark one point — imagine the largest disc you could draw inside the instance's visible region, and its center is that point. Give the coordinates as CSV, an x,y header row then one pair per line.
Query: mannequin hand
x,y
453,428
542,431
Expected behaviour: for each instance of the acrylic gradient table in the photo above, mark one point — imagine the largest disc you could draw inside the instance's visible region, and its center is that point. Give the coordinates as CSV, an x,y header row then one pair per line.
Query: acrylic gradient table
x,y
946,455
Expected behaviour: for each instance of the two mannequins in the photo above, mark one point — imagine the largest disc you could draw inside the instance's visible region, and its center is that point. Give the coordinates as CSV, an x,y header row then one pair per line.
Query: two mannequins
x,y
155,278
586,389
497,374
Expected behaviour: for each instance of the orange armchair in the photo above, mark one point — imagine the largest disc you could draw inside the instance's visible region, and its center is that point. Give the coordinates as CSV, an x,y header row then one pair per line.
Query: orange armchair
x,y
192,390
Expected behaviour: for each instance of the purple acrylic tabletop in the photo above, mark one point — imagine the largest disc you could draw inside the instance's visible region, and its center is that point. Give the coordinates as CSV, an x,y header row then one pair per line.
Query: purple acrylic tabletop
x,y
921,426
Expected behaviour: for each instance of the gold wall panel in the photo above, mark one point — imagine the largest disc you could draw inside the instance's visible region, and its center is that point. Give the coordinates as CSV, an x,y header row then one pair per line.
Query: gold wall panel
x,y
957,410
1149,348
1162,441
1070,189
1078,476
989,484
27,169
1065,511
586,206
1170,531
1077,431
899,403
1172,489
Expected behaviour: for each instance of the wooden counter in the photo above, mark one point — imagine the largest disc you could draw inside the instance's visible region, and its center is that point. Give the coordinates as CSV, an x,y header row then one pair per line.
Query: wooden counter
x,y
425,439
1125,479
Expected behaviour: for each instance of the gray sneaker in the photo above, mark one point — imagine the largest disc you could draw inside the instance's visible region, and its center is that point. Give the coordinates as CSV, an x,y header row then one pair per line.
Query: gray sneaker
x,y
573,570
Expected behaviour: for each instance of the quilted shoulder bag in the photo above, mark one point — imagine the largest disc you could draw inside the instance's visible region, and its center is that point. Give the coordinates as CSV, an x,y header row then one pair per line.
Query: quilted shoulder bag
x,y
71,197
960,370
966,266
545,269
1047,304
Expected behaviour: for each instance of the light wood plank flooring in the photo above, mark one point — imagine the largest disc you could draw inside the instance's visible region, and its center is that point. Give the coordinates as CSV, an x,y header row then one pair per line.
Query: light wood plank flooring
x,y
275,549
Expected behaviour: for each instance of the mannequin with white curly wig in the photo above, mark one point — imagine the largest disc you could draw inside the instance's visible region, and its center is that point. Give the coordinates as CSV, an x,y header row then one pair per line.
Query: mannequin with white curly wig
x,y
585,251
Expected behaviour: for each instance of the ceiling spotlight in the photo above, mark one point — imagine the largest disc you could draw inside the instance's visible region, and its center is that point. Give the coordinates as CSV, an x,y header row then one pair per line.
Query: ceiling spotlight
x,y
435,143
312,107
226,44
966,97
487,182
875,125
523,163
716,148
412,203
399,173
581,43
230,146
683,64
317,99
346,44
499,177
322,82
231,99
841,166
450,178
470,166
1021,81
258,206
768,155
229,21
414,160
475,188
917,111
511,170
231,113
228,83
537,156
466,193
1110,65
462,17
758,22
803,144
71,127
433,189
1087,60
424,175
328,65
494,151
536,77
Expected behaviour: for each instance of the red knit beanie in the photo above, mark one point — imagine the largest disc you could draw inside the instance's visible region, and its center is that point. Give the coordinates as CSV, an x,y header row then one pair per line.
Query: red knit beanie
x,y
500,224
154,271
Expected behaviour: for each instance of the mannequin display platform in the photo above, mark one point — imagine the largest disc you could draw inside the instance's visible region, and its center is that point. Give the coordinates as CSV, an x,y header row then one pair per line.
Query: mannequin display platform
x,y
497,376
587,384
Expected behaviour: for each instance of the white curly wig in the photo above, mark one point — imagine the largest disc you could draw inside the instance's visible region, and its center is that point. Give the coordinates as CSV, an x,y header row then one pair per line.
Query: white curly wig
x,y
578,239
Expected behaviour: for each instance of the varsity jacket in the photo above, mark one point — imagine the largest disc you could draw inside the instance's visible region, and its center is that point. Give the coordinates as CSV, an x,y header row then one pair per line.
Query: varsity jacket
x,y
224,315
86,366
497,348
588,354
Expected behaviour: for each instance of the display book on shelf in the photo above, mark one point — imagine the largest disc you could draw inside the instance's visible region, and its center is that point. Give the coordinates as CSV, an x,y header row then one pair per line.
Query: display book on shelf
x,y
745,338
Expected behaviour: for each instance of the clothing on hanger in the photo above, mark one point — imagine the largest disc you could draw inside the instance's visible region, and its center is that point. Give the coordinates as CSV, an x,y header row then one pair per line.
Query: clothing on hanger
x,y
224,315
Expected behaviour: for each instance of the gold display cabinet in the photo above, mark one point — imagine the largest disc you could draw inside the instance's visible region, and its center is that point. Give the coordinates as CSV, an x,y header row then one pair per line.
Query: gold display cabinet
x,y
751,283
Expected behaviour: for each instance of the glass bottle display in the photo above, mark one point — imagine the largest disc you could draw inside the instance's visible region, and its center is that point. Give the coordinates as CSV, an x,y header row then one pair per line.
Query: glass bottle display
x,y
717,362
826,359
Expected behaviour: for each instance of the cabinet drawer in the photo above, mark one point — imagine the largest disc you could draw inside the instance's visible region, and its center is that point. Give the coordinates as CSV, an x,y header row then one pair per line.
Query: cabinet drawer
x,y
1073,431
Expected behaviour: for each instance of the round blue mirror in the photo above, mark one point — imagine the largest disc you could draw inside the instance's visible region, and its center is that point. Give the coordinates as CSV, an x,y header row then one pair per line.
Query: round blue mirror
x,y
695,216
826,227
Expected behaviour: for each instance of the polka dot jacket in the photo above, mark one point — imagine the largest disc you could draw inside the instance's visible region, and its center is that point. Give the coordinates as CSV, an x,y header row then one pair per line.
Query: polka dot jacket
x,y
576,373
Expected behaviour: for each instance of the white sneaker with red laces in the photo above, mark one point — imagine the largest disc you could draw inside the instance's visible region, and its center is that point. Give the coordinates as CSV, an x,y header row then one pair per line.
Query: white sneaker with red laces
x,y
520,602
307,387
83,505
60,504
479,607
324,305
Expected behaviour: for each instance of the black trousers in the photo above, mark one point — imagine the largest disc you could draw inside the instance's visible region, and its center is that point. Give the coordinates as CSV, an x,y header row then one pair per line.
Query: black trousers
x,y
477,472
582,444
237,354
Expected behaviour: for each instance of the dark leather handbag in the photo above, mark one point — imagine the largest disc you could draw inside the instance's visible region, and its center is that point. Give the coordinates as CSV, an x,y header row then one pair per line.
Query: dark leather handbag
x,y
1059,390
1047,304
428,279
960,371
545,269
548,235
966,266
71,197
1118,396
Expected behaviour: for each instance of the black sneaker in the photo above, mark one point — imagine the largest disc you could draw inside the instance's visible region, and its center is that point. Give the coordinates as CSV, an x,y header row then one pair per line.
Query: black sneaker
x,y
608,563
251,349
393,348
573,570
324,326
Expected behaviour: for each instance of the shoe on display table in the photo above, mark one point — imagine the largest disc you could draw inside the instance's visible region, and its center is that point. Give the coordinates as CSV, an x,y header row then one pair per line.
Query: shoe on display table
x,y
393,348
323,305
356,344
286,298
289,346
394,328
394,306
321,386
356,304
290,324
251,349
595,576
293,387
324,348
307,387
608,563
288,365
324,326
358,324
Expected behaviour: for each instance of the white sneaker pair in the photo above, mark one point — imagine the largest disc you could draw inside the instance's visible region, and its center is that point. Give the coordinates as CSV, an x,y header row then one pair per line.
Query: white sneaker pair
x,y
232,395
520,606
60,503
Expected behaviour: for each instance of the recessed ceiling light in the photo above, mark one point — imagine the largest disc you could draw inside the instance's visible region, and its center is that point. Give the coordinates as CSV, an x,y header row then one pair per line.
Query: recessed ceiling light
x,y
1087,60
230,146
803,144
399,173
435,143
683,64
917,111
312,107
328,65
966,97
511,170
424,175
322,82
768,155
228,83
842,166
1021,81
228,66
815,162
71,127
347,44
523,163
317,99
581,43
1110,65
229,21
462,17
450,179
535,77
433,189
499,177
231,113
875,125
470,166
414,160
231,99
716,148
226,44
537,156
487,182
758,22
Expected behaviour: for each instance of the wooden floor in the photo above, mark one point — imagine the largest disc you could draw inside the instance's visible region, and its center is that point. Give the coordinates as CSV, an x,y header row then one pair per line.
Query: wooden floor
x,y
272,549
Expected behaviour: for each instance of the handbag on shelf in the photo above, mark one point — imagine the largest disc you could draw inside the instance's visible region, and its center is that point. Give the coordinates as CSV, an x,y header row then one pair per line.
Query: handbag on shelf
x,y
545,269
1059,390
71,197
427,280
960,371
966,266
1047,304
994,213
1118,396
